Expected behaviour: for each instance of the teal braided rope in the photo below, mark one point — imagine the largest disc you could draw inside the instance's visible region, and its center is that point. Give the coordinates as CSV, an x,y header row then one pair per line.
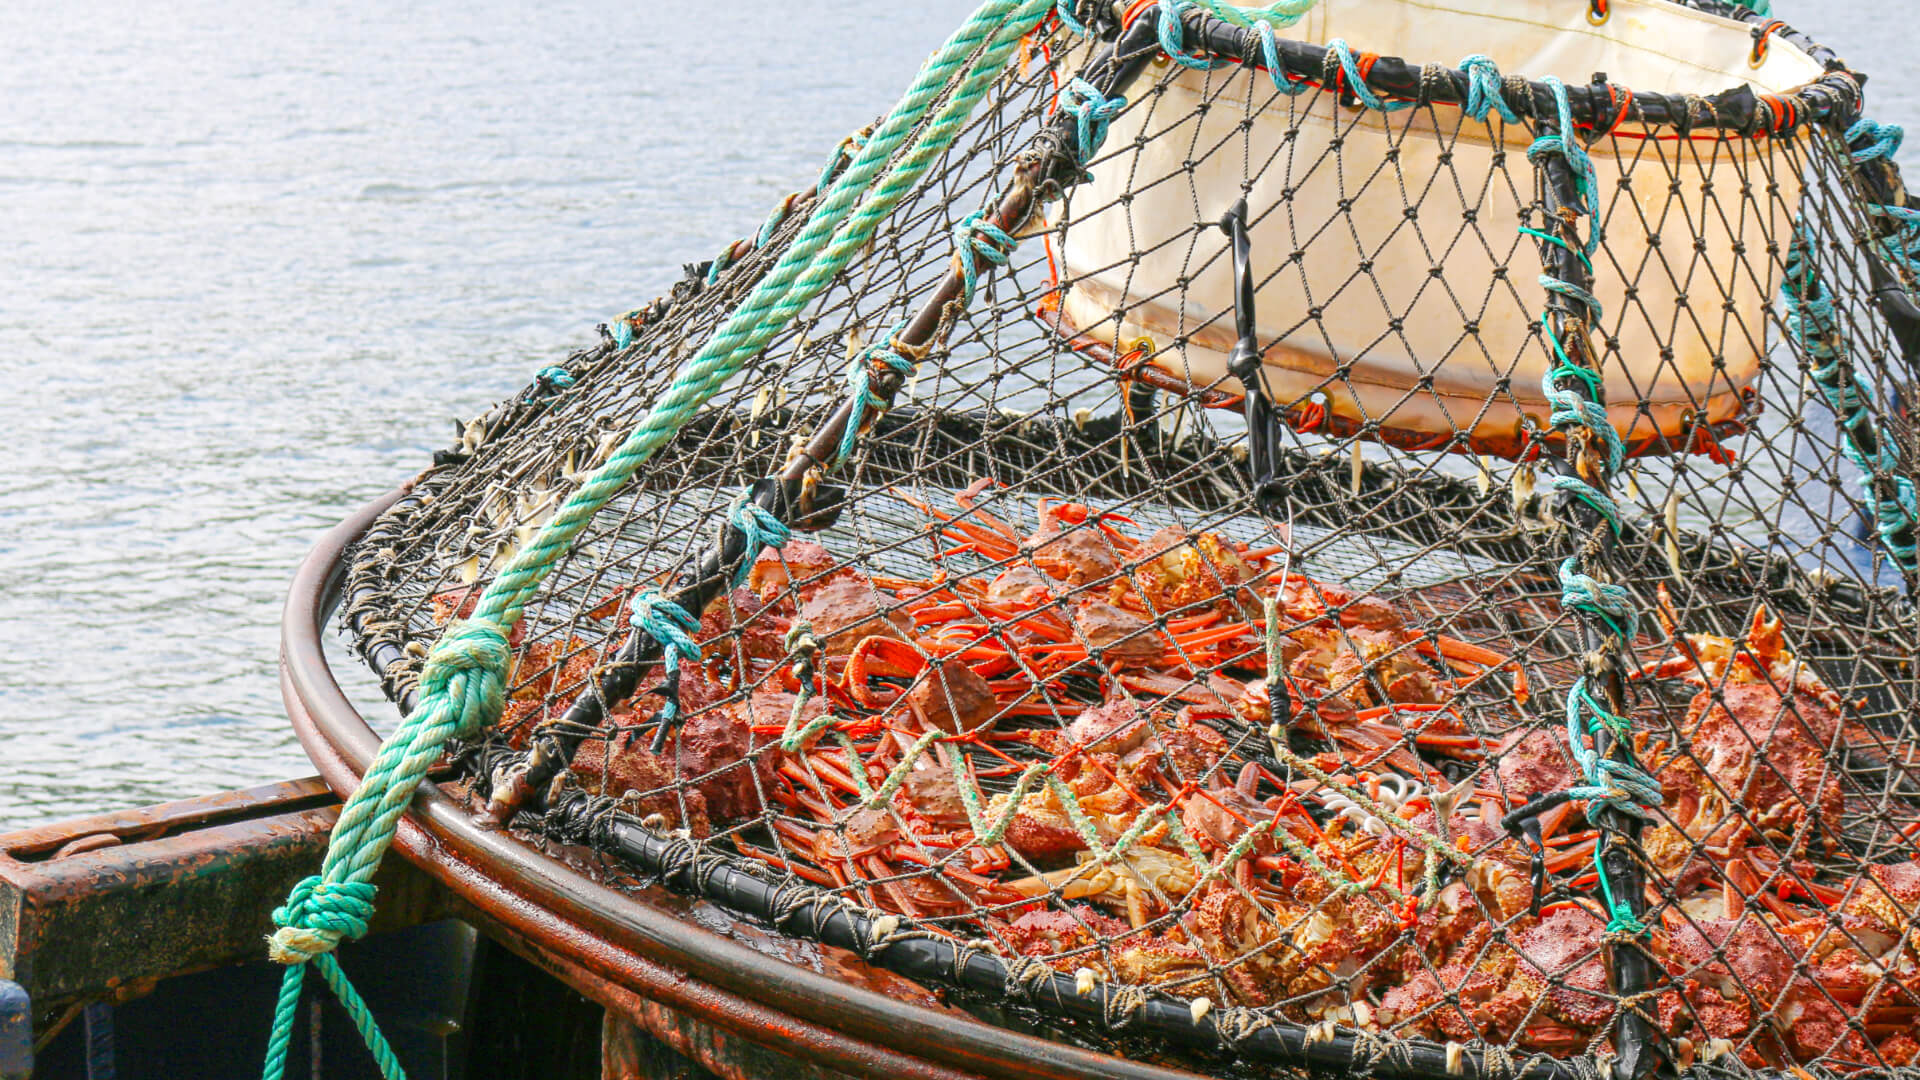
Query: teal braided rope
x,y
1611,784
1565,143
867,404
1063,10
760,528
1276,70
1814,325
1173,36
1355,84
321,915
1883,140
976,238
431,724
1092,113
672,626
462,683
1484,93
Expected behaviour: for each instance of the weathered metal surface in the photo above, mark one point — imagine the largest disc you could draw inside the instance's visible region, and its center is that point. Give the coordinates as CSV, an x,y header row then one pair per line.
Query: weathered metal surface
x,y
16,1031
624,1049
105,905
580,925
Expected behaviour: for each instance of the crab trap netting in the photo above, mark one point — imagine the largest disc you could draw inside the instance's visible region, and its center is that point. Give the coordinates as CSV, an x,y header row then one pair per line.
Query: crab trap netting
x,y
1272,546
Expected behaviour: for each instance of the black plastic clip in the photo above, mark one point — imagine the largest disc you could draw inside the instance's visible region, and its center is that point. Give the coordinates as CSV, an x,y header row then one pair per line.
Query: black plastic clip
x,y
1244,363
1523,824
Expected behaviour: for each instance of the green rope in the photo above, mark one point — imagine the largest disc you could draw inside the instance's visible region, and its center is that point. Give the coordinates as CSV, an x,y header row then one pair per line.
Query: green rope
x,y
462,686
1616,783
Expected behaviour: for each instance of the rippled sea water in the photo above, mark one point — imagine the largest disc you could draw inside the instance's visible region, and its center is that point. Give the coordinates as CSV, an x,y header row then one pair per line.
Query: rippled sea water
x,y
255,258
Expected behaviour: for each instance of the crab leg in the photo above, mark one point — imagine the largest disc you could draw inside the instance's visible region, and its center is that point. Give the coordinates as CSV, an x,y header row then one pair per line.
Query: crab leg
x,y
798,869
1476,660
964,500
983,539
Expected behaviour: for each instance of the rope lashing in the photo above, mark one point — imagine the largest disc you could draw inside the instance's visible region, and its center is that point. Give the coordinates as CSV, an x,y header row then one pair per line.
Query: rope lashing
x,y
1092,112
976,238
1612,604
1610,783
1564,142
1281,13
1575,292
1173,36
1064,10
1883,140
1484,91
1814,324
555,376
672,626
461,688
843,156
1340,54
860,385
1270,52
1586,492
760,528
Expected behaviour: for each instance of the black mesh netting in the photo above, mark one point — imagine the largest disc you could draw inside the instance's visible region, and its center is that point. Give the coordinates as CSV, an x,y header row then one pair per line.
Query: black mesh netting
x,y
1246,704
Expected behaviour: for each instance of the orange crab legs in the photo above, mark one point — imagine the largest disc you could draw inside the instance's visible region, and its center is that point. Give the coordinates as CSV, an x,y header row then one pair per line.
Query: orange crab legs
x,y
1473,662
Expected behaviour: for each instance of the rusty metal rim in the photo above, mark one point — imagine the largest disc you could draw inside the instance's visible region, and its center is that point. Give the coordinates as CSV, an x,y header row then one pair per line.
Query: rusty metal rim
x,y
768,1000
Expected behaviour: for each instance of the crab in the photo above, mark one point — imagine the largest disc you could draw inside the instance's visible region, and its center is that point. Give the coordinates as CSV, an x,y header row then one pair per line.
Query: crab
x,y
1547,990
1138,881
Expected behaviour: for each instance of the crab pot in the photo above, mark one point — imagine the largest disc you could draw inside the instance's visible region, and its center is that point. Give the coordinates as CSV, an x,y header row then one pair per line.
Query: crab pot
x,y
1094,636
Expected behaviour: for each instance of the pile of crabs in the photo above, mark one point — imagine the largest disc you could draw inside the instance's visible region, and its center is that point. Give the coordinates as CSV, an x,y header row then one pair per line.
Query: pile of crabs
x,y
1079,749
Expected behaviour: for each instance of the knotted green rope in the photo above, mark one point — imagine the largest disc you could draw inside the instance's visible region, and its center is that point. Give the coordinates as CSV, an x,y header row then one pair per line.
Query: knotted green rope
x,y
462,686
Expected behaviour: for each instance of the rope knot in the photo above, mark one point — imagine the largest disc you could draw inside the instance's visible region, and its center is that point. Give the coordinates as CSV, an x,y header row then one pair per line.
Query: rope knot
x,y
667,622
467,667
1872,140
1173,33
860,374
759,527
552,379
1483,90
671,625
1092,112
316,916
1354,80
976,238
